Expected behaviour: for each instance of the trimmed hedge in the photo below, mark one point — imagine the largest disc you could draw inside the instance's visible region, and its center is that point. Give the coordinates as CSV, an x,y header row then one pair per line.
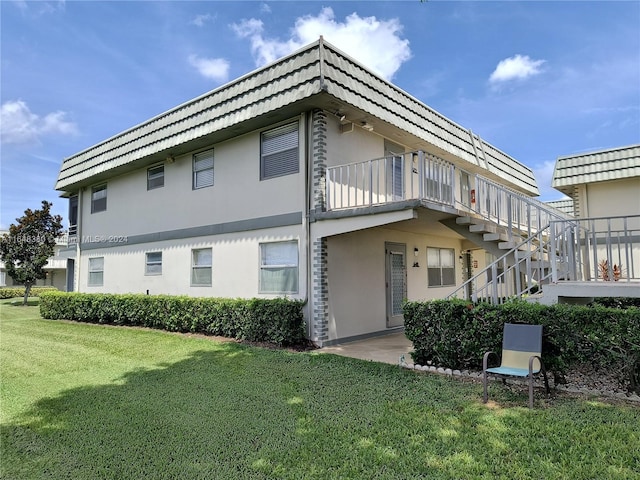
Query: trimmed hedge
x,y
16,292
277,321
456,333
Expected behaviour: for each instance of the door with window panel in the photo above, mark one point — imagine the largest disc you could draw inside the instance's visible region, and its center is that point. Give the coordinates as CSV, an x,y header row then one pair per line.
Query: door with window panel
x,y
396,282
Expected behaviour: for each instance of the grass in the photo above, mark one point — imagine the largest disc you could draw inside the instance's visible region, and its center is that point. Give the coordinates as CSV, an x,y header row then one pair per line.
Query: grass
x,y
98,402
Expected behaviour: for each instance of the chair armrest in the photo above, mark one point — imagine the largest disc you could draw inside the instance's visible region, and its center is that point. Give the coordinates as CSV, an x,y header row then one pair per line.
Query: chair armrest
x,y
485,360
531,359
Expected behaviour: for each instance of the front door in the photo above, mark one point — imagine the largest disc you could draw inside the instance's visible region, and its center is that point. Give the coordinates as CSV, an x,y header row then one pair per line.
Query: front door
x,y
396,282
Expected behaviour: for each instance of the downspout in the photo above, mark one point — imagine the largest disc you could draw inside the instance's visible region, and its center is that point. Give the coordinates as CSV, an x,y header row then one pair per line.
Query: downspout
x,y
307,193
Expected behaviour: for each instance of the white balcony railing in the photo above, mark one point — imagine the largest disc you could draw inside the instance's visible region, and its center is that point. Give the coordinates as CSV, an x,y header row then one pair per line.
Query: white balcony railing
x,y
421,176
604,249
410,176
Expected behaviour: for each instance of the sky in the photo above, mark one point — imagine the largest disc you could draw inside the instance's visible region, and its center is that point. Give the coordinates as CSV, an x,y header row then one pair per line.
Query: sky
x,y
537,80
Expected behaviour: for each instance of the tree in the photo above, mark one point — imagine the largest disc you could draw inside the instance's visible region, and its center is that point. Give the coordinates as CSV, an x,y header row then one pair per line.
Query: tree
x,y
29,244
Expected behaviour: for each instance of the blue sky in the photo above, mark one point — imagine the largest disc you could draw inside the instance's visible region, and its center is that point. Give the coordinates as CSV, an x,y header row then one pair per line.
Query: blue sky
x,y
536,79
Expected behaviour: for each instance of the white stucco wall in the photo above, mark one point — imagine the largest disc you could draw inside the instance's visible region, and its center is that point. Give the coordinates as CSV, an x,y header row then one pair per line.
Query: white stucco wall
x,y
605,199
237,193
235,265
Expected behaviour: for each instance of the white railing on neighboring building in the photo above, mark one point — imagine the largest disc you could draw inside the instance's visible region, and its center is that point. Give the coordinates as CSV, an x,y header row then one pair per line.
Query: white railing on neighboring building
x,y
605,249
601,249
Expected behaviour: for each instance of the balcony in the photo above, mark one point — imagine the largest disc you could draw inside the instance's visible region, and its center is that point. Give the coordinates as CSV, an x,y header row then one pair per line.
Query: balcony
x,y
436,183
411,176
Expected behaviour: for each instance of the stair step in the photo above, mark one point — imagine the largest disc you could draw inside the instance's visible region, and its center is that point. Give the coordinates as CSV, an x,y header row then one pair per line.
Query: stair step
x,y
465,220
534,254
510,244
540,264
482,228
494,237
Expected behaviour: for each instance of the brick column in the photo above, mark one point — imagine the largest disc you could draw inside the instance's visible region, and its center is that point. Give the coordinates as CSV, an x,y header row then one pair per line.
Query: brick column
x,y
320,291
319,279
319,159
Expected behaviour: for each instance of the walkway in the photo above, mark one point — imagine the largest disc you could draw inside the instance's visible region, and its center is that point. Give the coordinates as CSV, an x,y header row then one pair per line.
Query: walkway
x,y
385,349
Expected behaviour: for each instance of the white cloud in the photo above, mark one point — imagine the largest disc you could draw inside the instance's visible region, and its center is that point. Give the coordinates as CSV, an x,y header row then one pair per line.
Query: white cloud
x,y
214,68
375,43
516,67
264,8
201,19
41,7
19,125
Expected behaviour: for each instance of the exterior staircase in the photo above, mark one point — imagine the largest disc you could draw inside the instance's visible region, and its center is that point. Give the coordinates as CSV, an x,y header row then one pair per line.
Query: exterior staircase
x,y
569,259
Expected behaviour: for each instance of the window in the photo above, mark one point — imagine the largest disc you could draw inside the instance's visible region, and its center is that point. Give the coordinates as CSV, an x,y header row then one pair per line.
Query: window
x,y
441,267
279,152
155,177
201,267
99,199
203,169
3,279
73,215
279,267
153,263
394,161
96,271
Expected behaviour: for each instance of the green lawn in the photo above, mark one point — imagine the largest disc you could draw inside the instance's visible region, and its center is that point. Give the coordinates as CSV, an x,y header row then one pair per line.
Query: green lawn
x,y
91,402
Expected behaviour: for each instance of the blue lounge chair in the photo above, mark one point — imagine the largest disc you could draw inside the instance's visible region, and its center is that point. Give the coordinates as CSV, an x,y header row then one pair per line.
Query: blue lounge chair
x,y
521,357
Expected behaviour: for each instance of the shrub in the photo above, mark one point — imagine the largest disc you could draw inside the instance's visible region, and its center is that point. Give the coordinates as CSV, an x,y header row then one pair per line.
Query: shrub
x,y
277,321
15,292
456,333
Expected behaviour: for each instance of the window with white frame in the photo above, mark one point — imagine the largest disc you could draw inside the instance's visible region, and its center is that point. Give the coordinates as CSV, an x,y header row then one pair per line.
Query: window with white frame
x,y
441,269
279,267
201,260
203,169
3,279
155,177
96,271
279,153
153,263
99,199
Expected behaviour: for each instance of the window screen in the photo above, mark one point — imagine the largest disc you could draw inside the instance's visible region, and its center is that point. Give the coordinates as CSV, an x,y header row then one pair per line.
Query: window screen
x,y
279,267
279,152
441,267
153,263
201,266
203,169
99,199
96,271
155,177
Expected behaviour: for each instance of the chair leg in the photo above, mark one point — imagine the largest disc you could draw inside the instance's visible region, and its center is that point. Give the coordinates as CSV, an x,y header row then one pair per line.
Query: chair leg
x,y
485,365
546,381
530,391
485,397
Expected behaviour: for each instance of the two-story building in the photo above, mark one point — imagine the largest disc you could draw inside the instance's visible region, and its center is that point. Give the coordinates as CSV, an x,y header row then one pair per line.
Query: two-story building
x,y
311,178
56,268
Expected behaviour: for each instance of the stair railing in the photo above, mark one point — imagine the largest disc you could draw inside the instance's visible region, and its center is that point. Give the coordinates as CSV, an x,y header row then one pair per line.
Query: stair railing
x,y
521,215
503,279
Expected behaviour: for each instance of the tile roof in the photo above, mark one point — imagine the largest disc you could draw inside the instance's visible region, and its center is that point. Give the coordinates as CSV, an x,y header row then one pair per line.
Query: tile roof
x,y
599,166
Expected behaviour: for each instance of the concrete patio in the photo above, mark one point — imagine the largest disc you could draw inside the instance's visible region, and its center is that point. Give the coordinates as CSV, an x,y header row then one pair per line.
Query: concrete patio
x,y
385,349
